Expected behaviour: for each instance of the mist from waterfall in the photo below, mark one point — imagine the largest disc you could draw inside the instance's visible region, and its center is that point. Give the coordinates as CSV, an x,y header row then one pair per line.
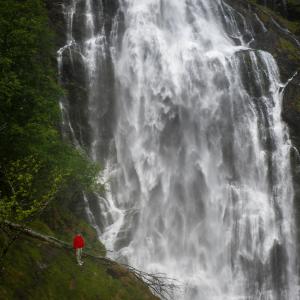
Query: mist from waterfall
x,y
200,184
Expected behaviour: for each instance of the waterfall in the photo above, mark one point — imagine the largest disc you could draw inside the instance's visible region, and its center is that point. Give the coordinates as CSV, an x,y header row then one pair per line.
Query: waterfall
x,y
200,184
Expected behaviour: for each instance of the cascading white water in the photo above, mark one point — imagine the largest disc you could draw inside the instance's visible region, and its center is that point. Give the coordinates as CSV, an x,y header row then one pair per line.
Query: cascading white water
x,y
200,179
204,176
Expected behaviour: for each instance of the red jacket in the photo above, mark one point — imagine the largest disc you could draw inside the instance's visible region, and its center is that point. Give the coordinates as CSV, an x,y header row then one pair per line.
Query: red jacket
x,y
78,242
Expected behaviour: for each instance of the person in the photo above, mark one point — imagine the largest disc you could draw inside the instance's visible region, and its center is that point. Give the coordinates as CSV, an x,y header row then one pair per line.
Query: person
x,y
78,245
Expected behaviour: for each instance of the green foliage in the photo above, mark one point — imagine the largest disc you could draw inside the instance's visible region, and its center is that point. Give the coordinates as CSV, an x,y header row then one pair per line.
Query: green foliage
x,y
35,165
29,192
28,89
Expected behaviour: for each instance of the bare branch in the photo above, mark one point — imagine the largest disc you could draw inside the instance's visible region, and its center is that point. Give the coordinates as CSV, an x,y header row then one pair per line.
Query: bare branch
x,y
158,283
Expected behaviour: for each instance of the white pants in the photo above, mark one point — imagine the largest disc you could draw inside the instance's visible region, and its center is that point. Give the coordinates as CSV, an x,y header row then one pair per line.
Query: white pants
x,y
78,256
